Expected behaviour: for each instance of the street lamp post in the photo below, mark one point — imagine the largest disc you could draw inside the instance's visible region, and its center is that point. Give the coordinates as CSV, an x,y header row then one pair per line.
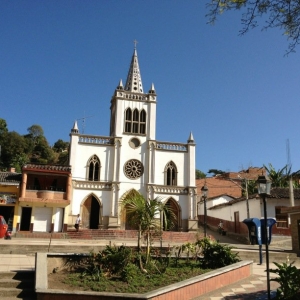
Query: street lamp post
x,y
264,189
204,191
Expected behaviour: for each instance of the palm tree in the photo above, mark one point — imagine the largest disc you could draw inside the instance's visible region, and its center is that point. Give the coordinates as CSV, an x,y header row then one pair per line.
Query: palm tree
x,y
145,214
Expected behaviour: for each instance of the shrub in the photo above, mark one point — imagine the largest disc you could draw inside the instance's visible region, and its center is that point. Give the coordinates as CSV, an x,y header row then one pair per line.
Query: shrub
x,y
214,255
289,280
129,272
115,259
112,260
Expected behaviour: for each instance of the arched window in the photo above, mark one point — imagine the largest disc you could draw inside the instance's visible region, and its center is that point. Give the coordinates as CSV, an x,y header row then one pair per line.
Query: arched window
x,y
170,174
135,121
128,120
143,122
94,168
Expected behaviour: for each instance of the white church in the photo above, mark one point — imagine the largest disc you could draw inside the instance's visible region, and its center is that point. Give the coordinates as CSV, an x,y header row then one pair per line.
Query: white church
x,y
107,169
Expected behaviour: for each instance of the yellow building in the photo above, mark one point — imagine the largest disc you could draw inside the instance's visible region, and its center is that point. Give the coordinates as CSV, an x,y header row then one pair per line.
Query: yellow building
x,y
9,194
44,198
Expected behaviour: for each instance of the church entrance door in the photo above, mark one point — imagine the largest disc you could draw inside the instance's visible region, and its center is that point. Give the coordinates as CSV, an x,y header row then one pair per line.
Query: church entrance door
x,y
91,213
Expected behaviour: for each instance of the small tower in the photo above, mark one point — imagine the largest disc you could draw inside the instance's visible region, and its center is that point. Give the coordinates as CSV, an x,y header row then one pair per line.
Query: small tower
x,y
75,128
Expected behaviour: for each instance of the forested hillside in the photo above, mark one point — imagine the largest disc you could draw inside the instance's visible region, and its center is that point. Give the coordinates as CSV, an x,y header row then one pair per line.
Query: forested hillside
x,y
33,147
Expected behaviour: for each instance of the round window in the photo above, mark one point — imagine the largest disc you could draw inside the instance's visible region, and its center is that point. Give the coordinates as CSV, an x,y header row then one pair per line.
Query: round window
x,y
133,169
134,143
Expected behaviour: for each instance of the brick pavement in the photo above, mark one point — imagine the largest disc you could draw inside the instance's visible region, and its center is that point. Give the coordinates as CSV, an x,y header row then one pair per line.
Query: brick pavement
x,y
251,288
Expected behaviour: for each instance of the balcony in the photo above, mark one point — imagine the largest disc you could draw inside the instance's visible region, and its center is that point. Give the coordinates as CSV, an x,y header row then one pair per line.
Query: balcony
x,y
46,194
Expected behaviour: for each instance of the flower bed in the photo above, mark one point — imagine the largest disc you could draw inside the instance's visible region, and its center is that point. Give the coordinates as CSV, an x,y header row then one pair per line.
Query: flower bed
x,y
187,289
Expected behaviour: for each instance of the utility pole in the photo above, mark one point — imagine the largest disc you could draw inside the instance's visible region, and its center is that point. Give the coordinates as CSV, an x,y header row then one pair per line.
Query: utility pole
x,y
246,192
247,198
289,165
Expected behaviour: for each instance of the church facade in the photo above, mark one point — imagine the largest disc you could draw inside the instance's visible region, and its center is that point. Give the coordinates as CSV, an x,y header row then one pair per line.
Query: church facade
x,y
107,169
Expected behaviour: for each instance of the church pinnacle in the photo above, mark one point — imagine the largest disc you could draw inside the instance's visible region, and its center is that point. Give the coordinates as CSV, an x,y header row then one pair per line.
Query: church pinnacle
x,y
134,79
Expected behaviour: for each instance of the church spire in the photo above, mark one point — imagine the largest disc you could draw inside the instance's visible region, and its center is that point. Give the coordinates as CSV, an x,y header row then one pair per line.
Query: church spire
x,y
134,79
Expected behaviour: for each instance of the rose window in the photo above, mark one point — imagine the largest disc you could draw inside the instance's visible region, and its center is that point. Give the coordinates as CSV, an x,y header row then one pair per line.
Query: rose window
x,y
133,169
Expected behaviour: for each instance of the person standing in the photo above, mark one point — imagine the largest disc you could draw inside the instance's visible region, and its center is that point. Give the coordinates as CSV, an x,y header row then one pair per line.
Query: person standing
x,y
77,222
220,227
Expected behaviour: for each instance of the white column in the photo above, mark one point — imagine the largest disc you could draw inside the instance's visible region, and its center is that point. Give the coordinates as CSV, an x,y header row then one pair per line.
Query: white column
x,y
151,119
191,165
153,150
116,177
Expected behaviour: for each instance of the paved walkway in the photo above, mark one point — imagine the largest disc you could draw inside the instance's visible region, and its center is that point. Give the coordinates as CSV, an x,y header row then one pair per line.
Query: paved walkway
x,y
251,288
16,262
254,287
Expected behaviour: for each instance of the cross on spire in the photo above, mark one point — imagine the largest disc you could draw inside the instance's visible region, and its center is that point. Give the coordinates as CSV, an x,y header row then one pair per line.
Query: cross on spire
x,y
135,42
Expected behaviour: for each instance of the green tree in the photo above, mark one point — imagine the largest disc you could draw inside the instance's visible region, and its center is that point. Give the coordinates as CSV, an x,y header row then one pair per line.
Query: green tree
x,y
200,174
146,215
35,131
43,152
282,14
37,146
280,177
13,151
61,149
3,127
215,172
3,133
249,186
60,146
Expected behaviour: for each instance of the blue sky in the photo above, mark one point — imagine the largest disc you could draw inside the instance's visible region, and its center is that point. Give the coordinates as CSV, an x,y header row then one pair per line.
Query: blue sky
x,y
62,60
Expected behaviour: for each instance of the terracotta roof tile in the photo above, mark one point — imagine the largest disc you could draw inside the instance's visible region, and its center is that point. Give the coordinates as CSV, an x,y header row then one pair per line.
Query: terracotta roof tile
x,y
218,187
280,193
9,177
47,167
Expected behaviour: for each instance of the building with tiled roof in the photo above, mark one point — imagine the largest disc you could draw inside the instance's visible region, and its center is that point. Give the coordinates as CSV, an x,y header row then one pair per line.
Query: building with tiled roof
x,y
44,198
233,211
251,173
229,183
218,186
10,178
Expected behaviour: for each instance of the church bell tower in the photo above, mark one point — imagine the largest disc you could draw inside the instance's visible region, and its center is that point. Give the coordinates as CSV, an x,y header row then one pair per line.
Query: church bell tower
x,y
133,112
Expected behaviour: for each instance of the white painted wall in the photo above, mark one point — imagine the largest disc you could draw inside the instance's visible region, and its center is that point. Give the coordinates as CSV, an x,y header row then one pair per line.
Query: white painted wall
x,y
256,208
42,219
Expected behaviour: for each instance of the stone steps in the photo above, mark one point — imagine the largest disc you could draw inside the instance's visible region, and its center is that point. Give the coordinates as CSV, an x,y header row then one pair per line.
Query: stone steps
x,y
107,234
17,285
